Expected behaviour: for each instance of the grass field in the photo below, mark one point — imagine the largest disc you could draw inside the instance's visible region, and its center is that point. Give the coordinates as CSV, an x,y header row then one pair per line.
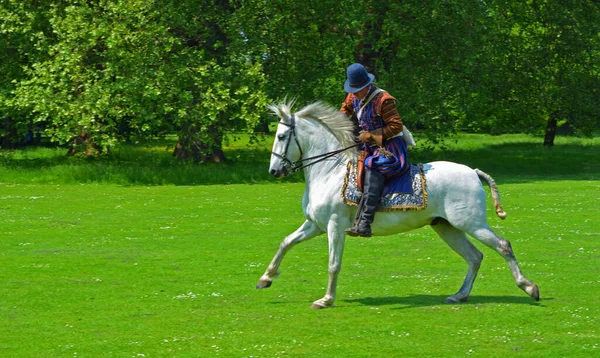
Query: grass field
x,y
99,259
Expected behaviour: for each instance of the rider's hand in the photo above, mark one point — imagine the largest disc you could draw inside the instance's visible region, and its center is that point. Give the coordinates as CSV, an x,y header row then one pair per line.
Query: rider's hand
x,y
365,137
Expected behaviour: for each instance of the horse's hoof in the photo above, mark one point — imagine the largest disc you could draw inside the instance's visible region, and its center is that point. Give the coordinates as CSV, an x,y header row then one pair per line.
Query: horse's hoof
x,y
317,306
454,299
534,292
320,304
264,284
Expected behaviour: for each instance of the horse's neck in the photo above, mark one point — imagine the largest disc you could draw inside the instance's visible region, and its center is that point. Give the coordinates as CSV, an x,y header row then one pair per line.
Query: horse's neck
x,y
325,171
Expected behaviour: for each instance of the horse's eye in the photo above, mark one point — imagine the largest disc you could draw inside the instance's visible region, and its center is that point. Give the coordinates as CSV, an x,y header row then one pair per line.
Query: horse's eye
x,y
281,136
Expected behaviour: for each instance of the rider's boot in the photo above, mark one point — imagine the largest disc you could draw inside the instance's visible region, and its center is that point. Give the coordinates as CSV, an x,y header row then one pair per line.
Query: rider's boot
x,y
365,214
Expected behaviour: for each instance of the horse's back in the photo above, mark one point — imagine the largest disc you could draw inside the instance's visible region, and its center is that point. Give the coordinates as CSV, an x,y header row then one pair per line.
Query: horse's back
x,y
447,167
450,174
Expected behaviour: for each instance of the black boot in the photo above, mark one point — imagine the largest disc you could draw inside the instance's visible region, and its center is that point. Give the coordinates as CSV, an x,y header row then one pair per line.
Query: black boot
x,y
365,214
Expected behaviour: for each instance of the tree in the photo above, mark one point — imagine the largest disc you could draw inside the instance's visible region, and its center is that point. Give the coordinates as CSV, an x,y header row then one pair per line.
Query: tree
x,y
99,74
567,63
494,66
304,46
138,69
94,73
426,56
543,67
220,86
22,28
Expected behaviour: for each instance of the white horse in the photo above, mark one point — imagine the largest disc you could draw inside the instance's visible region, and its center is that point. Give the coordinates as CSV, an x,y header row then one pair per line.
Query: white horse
x,y
456,199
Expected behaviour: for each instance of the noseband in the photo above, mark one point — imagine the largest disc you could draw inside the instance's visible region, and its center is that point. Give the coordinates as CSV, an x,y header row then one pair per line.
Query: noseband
x,y
294,166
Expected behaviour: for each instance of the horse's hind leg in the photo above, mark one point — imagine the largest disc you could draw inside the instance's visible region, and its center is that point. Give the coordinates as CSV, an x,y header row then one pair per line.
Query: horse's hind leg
x,y
306,231
458,241
503,247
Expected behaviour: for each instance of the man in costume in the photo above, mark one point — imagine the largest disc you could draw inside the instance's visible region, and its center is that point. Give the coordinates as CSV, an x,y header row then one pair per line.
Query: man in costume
x,y
384,149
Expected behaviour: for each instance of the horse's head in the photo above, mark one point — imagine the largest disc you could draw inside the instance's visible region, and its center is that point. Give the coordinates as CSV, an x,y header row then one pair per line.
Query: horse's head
x,y
326,132
286,148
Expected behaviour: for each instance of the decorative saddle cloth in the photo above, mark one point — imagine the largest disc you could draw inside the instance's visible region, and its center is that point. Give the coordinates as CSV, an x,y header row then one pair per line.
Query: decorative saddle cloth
x,y
406,192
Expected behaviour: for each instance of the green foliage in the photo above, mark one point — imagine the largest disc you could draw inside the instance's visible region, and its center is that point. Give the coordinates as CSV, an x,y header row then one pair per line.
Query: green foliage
x,y
551,64
219,87
132,69
22,27
494,67
100,72
305,46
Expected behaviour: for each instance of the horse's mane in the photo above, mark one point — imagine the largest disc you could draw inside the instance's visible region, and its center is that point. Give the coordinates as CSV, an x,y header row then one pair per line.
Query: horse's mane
x,y
331,118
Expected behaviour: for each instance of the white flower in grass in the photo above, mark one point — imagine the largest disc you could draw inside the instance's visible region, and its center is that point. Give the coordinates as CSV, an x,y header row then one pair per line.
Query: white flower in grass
x,y
190,295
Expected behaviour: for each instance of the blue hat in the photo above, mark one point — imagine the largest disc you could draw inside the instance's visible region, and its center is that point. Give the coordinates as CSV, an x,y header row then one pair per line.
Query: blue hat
x,y
358,78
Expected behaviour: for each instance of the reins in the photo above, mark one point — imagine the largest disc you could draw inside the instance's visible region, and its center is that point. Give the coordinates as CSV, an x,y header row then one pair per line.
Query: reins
x,y
322,157
297,165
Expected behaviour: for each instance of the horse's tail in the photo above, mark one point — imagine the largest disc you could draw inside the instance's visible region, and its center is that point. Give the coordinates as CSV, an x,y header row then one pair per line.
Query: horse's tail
x,y
495,194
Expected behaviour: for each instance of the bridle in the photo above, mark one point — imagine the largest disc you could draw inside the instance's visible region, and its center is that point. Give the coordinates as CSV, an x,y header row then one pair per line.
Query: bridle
x,y
294,166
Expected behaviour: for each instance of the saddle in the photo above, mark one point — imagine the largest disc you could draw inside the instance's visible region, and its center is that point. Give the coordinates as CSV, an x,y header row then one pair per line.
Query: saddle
x,y
401,192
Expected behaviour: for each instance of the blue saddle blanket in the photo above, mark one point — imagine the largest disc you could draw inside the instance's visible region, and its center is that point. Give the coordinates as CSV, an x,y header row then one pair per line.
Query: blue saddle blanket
x,y
406,192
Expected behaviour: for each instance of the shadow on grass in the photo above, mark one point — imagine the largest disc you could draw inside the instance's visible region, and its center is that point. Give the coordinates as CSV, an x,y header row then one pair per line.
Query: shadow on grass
x,y
413,301
507,162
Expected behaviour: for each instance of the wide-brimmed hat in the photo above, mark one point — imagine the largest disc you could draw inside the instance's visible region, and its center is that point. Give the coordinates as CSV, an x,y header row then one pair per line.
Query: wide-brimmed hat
x,y
357,78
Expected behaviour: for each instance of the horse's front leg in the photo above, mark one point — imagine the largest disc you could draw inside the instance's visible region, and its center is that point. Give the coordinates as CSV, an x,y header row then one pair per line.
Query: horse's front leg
x,y
336,237
306,231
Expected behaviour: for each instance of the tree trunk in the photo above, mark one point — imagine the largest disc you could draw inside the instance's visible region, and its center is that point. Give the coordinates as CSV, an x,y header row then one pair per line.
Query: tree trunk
x,y
190,147
10,139
262,127
371,34
84,145
550,130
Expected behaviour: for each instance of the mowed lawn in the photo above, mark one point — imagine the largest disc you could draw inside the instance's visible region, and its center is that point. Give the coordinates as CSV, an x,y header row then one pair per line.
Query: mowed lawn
x,y
169,271
137,256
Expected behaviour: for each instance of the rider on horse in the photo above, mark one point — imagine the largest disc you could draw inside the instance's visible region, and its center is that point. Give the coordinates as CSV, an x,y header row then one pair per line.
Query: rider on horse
x,y
384,149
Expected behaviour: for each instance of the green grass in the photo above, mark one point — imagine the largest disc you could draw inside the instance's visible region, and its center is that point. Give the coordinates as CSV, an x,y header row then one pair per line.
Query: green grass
x,y
99,267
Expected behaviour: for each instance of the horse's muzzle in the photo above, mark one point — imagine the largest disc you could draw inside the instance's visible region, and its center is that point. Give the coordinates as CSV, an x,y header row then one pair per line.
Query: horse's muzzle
x,y
279,173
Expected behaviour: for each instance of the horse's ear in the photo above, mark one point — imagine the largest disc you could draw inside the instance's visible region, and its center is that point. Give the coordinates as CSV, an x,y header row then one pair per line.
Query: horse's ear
x,y
282,111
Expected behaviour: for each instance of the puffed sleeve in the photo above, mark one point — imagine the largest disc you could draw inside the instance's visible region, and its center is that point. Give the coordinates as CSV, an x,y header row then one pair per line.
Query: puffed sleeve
x,y
347,108
391,117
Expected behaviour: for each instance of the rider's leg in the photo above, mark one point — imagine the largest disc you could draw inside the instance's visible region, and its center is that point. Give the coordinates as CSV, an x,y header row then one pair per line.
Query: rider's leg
x,y
374,182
